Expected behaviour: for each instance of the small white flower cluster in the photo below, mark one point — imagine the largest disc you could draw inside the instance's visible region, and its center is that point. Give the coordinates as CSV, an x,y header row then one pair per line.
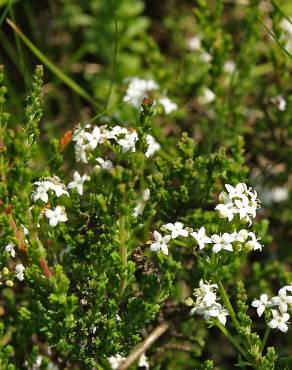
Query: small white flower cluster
x,y
116,360
239,200
78,182
50,183
195,44
279,102
139,88
280,305
86,142
138,210
206,303
161,242
54,184
18,270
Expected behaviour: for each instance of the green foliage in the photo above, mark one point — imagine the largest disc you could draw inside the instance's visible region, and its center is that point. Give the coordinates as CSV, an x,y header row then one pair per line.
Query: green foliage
x,y
92,287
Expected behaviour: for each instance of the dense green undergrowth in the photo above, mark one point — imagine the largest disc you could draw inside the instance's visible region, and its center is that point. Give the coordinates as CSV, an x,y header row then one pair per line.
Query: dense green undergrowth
x,y
120,234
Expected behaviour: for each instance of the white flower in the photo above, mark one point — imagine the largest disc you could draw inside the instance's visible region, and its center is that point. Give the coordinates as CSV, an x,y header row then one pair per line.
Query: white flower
x,y
167,104
206,97
240,236
216,311
261,304
95,137
104,164
79,136
201,237
227,210
78,182
239,200
80,153
10,249
279,194
116,360
19,269
279,102
138,210
55,216
194,43
253,243
116,131
287,33
41,191
205,57
25,230
222,242
59,190
279,321
176,229
160,242
288,288
143,361
128,142
229,66
138,89
282,300
153,146
206,302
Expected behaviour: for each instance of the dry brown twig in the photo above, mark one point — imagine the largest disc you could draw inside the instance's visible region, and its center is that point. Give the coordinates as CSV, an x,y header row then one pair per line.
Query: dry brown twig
x,y
142,347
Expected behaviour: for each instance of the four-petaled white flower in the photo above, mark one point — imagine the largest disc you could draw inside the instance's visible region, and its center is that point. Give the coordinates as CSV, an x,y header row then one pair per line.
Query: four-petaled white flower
x,y
95,137
41,191
222,242
279,321
128,143
160,242
56,215
78,182
10,249
176,229
19,269
282,300
226,209
261,304
201,237
105,164
216,311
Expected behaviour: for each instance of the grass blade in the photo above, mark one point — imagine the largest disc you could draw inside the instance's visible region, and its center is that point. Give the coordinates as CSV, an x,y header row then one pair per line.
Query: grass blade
x,y
54,69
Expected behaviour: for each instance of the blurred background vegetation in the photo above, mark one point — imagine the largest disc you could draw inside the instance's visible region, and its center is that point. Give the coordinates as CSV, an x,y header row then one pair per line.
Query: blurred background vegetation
x,y
239,49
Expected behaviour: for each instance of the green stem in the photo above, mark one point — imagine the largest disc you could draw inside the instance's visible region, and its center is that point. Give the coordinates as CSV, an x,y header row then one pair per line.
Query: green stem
x,y
232,340
266,335
123,251
177,242
227,302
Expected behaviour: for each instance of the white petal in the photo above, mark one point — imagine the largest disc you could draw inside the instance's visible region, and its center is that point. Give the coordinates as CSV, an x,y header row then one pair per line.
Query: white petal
x,y
261,310
216,248
283,327
53,221
164,249
273,324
